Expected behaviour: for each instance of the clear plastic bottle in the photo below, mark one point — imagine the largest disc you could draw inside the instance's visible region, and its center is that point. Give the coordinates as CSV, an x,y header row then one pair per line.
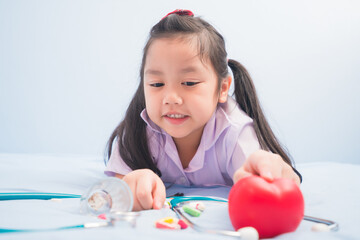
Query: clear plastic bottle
x,y
107,196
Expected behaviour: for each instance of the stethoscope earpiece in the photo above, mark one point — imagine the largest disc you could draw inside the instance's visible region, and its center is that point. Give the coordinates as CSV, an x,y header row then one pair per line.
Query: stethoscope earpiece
x,y
320,227
248,233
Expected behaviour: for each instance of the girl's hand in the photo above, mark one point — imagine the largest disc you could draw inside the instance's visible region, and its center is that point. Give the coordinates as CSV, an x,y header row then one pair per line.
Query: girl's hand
x,y
147,188
267,165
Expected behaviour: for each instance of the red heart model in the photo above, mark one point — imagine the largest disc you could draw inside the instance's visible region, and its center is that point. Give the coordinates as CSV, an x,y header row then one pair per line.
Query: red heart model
x,y
272,208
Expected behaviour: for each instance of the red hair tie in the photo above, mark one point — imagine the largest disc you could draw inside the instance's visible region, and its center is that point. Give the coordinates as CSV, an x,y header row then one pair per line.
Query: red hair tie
x,y
180,12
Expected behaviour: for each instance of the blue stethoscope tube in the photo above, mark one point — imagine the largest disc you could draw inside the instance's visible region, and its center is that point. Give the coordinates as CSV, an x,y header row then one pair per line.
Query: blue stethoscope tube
x,y
43,196
48,196
8,230
174,204
35,196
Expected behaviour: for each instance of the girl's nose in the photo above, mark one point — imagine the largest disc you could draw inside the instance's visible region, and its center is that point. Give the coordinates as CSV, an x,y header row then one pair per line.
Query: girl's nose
x,y
172,97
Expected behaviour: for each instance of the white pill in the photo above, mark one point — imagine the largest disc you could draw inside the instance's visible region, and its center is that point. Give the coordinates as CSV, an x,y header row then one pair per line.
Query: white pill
x,y
320,227
198,205
248,233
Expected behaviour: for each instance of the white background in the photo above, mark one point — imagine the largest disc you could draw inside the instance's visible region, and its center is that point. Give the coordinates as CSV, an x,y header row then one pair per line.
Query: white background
x,y
68,69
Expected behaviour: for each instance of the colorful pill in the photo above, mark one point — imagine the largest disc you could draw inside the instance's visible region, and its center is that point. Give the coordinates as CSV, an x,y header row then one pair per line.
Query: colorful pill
x,y
102,216
191,211
165,225
168,220
171,223
198,205
182,224
166,204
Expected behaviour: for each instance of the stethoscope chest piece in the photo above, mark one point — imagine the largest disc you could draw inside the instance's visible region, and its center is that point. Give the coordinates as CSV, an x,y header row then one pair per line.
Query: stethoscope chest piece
x,y
108,195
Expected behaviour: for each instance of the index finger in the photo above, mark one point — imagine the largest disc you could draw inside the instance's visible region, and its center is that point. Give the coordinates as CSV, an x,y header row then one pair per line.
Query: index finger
x,y
144,192
159,194
265,164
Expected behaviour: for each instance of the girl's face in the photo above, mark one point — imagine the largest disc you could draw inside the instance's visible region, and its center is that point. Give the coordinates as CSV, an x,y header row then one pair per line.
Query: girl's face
x,y
180,90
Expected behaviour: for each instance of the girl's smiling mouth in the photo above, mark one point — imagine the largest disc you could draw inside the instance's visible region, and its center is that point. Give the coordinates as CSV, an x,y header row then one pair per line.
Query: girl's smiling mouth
x,y
175,115
176,118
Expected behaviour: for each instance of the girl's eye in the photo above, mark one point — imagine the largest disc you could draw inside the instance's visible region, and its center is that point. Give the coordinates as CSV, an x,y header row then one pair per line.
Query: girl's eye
x,y
190,83
156,84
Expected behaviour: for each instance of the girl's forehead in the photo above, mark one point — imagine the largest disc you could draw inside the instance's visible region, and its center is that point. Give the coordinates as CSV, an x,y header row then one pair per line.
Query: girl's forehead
x,y
187,42
185,48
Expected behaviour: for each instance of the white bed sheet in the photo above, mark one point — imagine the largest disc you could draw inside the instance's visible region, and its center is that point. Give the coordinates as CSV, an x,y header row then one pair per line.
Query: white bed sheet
x,y
331,191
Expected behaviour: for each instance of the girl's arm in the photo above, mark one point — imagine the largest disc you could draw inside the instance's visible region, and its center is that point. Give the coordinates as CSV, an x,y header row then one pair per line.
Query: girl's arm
x,y
267,165
147,188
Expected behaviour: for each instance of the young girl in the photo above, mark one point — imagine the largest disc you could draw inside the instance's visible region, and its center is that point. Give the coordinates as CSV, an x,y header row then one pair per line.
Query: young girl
x,y
182,127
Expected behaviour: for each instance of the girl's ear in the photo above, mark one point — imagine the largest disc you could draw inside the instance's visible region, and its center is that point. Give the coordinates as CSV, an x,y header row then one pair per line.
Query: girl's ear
x,y
224,89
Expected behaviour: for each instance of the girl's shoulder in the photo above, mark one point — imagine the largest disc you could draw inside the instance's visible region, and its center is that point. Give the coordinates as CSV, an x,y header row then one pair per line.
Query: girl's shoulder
x,y
233,114
226,125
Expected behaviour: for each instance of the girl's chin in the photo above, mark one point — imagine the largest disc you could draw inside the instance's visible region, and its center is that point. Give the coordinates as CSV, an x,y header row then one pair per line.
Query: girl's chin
x,y
176,134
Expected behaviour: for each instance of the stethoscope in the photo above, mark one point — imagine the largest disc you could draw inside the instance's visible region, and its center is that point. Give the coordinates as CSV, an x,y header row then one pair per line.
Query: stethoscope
x,y
176,202
129,217
247,233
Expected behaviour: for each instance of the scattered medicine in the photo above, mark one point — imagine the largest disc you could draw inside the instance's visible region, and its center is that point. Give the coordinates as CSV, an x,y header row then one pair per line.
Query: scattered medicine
x,y
198,205
170,223
191,211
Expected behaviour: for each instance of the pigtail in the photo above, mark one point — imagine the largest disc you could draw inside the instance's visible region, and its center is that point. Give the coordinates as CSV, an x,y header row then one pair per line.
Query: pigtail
x,y
131,136
246,97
